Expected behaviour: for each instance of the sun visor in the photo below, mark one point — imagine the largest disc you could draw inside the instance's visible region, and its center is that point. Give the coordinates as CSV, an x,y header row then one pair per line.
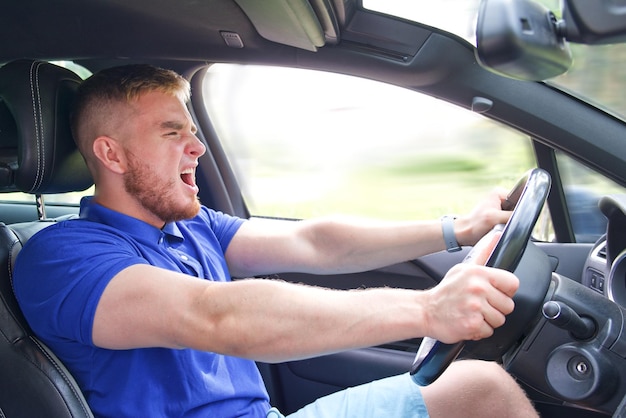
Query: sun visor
x,y
288,22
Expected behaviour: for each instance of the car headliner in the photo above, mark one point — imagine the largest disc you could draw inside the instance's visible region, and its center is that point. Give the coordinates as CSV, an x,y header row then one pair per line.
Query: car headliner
x,y
99,30
97,33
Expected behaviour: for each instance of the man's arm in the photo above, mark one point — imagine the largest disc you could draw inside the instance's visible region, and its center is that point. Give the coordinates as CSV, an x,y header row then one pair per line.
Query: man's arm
x,y
346,245
268,320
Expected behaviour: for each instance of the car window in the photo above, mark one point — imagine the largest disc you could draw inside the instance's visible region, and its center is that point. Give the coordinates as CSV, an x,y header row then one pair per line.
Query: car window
x,y
307,143
437,14
583,188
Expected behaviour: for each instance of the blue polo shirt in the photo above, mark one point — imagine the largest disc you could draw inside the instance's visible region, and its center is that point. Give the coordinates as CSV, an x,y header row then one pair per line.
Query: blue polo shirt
x,y
59,277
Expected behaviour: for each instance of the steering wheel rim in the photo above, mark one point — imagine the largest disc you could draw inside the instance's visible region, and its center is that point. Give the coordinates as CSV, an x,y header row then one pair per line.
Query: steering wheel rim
x,y
526,199
509,250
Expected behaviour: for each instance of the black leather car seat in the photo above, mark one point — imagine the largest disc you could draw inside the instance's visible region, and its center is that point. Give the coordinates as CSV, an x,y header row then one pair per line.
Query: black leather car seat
x,y
37,156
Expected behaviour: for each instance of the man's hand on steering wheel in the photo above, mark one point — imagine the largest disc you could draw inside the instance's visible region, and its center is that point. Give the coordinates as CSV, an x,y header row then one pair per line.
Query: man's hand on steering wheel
x,y
470,228
472,299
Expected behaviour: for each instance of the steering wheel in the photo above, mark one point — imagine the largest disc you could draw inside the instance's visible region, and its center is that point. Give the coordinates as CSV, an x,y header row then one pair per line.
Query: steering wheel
x,y
526,199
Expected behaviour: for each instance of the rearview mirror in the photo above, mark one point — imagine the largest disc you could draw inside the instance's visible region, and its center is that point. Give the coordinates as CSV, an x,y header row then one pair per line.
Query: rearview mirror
x,y
595,22
520,39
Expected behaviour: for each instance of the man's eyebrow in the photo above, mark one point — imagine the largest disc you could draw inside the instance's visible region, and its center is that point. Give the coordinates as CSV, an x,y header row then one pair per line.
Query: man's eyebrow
x,y
172,125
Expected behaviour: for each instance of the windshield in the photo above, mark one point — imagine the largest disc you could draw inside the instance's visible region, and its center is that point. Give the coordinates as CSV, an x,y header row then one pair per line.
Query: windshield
x,y
597,75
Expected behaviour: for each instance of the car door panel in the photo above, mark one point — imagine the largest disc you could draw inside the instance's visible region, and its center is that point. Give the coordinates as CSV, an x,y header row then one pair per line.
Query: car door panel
x,y
294,384
301,382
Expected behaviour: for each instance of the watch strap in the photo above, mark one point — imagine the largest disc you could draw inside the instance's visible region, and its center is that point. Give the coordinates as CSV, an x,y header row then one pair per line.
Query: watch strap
x,y
447,227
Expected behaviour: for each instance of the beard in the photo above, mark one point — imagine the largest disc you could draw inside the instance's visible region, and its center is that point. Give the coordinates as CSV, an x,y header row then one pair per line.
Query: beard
x,y
155,194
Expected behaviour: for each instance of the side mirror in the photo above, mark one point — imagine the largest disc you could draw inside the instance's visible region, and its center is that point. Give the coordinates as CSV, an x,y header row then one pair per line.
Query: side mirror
x,y
520,39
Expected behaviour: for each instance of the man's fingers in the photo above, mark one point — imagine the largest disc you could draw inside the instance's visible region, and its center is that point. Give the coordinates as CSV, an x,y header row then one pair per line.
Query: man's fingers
x,y
505,283
495,313
484,248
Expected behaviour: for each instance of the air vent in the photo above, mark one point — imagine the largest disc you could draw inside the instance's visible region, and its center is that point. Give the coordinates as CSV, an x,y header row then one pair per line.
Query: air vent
x,y
602,252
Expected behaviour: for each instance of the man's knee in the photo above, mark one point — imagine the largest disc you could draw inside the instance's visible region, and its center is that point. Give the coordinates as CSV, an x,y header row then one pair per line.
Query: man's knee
x,y
477,386
481,374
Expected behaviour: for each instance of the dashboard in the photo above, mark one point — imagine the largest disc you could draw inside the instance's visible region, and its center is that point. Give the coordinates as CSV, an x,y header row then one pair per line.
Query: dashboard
x,y
595,274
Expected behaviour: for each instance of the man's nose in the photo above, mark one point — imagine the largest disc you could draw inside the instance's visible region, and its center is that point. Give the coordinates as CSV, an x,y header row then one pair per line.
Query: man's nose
x,y
197,148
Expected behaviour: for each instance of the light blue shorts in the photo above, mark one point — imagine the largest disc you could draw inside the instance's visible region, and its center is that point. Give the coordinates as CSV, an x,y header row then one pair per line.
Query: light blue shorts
x,y
396,396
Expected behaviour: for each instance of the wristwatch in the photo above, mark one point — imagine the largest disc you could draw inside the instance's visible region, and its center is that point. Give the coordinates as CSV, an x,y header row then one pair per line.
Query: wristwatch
x,y
447,227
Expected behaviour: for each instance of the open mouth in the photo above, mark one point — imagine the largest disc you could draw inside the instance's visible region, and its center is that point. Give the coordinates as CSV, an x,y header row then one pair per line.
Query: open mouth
x,y
188,177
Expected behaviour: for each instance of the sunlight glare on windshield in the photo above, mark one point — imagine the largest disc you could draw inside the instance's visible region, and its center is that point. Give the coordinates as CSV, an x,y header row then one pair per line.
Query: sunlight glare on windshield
x,y
461,21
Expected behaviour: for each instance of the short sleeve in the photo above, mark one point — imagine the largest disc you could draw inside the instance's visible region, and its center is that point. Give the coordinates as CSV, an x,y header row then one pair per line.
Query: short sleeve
x,y
59,293
222,226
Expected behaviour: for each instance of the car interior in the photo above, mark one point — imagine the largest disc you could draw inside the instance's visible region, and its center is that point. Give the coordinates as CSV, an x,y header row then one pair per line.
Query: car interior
x,y
566,342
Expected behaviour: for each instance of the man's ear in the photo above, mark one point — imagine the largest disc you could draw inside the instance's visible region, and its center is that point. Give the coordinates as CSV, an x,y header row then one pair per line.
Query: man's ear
x,y
110,153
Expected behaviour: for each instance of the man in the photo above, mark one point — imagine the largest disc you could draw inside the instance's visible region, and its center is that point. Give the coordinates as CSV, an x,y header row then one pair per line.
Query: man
x,y
138,301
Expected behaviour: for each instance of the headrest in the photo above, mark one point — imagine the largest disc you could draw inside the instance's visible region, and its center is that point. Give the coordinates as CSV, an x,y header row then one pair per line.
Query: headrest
x,y
37,152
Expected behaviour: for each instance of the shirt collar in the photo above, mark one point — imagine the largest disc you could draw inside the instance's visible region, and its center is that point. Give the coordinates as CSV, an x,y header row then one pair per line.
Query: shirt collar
x,y
92,211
